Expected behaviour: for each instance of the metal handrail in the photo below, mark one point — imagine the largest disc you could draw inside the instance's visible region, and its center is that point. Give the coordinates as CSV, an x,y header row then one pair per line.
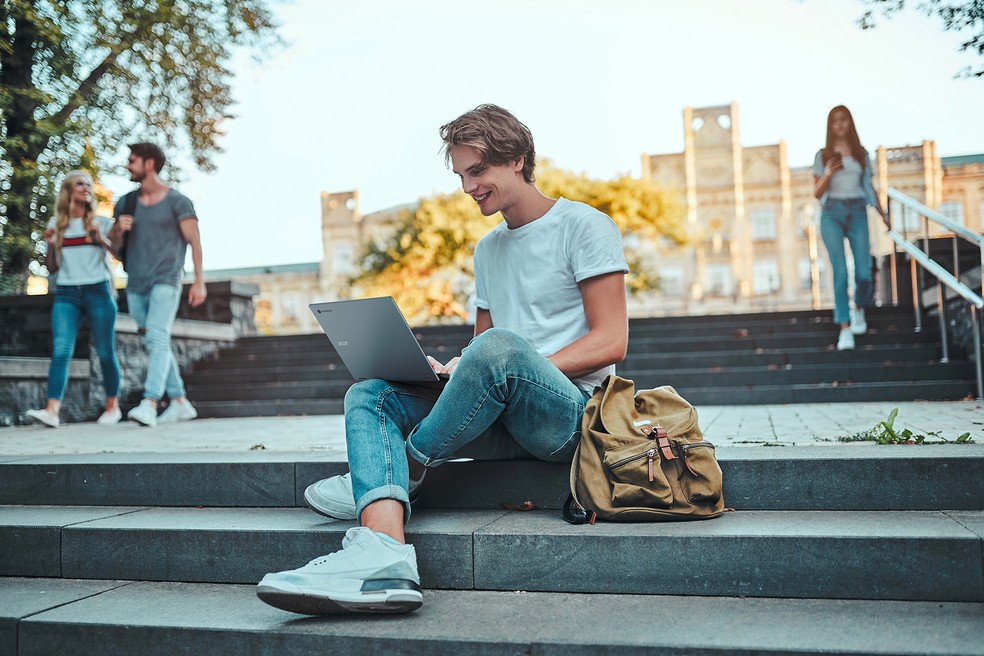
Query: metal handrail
x,y
935,216
943,277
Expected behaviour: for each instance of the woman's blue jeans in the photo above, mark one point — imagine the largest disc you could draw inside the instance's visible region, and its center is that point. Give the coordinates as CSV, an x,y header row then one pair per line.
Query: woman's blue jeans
x,y
154,313
503,401
97,302
840,219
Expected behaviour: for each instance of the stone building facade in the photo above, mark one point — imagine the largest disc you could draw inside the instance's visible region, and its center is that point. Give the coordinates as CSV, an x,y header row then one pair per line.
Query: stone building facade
x,y
754,219
752,216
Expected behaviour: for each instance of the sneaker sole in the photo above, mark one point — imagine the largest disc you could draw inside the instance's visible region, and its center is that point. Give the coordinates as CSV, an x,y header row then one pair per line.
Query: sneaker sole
x,y
402,597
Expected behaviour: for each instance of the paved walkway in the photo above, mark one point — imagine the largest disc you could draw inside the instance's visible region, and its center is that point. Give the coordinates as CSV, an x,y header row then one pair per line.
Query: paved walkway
x,y
744,425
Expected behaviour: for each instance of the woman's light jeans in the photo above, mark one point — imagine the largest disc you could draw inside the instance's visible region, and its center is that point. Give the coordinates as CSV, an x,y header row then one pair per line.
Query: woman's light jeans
x,y
97,302
840,219
154,313
503,401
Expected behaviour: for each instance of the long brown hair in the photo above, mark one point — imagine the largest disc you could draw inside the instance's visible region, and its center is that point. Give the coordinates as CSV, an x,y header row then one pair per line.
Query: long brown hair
x,y
63,208
858,152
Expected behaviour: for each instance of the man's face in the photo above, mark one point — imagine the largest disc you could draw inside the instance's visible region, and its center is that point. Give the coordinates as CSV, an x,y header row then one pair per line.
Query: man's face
x,y
493,187
137,167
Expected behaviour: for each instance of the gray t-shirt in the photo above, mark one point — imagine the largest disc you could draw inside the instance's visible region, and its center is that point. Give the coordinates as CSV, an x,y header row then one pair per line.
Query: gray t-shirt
x,y
155,249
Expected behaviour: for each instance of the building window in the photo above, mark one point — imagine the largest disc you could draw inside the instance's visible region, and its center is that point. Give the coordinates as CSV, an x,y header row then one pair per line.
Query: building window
x,y
953,210
763,224
904,218
806,276
671,281
765,277
719,279
289,307
343,260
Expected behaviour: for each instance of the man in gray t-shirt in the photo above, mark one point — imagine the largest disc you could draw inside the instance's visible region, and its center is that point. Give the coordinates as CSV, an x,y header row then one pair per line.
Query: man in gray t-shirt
x,y
152,233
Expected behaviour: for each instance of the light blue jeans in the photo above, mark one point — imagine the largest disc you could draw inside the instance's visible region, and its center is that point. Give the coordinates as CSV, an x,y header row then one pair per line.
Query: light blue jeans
x,y
154,313
503,401
840,219
97,302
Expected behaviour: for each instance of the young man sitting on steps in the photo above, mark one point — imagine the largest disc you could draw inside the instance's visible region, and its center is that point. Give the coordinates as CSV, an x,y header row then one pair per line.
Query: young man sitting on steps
x,y
551,324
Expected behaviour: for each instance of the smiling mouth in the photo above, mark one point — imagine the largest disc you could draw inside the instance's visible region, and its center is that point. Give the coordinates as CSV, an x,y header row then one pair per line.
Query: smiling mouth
x,y
481,198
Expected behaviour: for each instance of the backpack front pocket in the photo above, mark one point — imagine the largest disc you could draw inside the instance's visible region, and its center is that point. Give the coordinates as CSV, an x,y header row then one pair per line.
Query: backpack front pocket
x,y
700,474
636,477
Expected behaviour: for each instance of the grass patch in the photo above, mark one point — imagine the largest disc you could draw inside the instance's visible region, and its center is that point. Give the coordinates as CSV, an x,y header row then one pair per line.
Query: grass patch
x,y
884,432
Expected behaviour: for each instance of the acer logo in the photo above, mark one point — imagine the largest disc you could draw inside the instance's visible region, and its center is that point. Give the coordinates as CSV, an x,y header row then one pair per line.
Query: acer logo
x,y
343,343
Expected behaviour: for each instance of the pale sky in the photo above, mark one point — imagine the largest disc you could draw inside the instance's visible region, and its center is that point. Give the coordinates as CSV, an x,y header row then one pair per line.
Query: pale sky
x,y
355,97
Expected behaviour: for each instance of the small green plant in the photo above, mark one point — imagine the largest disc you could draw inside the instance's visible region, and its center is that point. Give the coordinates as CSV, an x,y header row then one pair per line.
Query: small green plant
x,y
257,447
884,432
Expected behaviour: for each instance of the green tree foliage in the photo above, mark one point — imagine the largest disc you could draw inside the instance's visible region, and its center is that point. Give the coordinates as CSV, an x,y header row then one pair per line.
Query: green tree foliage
x,y
80,77
955,16
426,263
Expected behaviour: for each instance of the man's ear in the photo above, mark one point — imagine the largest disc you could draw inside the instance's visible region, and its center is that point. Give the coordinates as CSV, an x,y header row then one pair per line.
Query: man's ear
x,y
519,164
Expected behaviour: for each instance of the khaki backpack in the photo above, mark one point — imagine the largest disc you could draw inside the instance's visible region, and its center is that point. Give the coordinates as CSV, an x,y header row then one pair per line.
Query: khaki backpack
x,y
642,458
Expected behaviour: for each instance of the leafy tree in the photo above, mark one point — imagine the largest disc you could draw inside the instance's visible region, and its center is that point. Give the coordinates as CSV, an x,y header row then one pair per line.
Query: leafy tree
x,y
426,263
956,16
79,77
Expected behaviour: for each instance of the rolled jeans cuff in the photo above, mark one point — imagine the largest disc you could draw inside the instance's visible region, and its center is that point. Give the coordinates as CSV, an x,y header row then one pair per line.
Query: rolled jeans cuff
x,y
394,492
423,459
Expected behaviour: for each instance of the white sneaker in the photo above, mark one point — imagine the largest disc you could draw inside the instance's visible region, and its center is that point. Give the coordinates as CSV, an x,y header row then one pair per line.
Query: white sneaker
x,y
177,411
846,340
49,419
333,497
858,324
110,417
371,574
145,414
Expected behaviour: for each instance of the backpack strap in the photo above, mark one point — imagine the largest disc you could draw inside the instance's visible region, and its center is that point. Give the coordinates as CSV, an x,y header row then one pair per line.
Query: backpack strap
x,y
129,201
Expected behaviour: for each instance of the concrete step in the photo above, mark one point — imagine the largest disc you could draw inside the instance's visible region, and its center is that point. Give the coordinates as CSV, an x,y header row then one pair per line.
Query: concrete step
x,y
711,388
231,372
833,477
98,617
335,385
95,618
229,407
909,556
830,392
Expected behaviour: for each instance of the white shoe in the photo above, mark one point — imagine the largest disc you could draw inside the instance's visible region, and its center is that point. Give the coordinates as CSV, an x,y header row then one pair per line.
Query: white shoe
x,y
333,497
110,417
371,574
846,340
858,324
145,413
177,411
47,418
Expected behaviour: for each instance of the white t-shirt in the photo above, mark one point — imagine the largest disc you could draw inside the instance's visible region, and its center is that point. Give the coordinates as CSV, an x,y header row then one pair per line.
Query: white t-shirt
x,y
528,278
846,183
82,262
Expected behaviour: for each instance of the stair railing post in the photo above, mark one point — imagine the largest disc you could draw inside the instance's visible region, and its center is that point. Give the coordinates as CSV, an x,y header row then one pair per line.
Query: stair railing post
x,y
893,263
941,311
916,296
975,321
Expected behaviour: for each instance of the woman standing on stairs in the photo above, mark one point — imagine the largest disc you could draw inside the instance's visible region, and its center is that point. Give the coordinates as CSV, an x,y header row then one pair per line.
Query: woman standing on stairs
x,y
77,251
842,176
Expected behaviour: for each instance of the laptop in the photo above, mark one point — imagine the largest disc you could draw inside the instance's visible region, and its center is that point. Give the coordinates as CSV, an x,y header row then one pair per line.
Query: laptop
x,y
374,340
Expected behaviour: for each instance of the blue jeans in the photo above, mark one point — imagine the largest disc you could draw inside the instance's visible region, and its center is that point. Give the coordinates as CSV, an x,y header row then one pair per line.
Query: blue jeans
x,y
503,401
154,313
848,218
97,302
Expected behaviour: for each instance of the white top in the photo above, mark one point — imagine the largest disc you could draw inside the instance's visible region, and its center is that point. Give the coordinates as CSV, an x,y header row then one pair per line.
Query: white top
x,y
846,183
82,262
527,278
